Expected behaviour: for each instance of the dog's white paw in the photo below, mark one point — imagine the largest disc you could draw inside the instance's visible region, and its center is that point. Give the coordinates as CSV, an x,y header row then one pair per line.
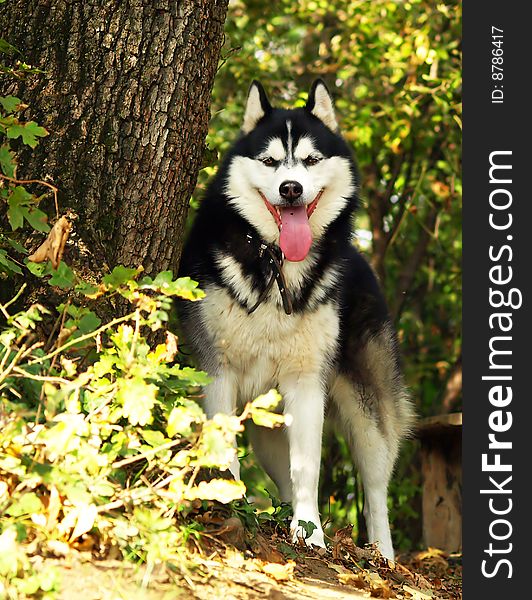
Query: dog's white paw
x,y
386,550
299,532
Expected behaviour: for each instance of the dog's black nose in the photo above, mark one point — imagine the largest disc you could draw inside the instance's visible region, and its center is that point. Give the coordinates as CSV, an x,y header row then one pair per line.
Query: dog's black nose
x,y
290,190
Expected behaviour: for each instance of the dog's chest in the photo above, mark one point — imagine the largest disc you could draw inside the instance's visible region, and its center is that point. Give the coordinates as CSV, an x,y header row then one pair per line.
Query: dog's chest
x,y
260,347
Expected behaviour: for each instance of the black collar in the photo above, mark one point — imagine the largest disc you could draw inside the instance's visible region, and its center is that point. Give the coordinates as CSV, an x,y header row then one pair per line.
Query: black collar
x,y
275,258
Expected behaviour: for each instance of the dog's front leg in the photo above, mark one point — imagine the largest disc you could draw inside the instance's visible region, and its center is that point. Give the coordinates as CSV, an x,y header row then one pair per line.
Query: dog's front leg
x,y
304,402
220,397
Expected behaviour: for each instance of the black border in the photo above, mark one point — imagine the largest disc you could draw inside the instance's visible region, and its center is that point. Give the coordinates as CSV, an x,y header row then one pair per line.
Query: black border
x,y
490,127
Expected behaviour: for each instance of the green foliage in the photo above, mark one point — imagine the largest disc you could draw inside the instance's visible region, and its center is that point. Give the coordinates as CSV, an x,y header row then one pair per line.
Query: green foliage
x,y
308,527
21,206
103,440
18,578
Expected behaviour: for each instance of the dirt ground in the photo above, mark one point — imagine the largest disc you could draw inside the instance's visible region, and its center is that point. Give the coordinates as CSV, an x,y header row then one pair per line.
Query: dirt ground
x,y
344,571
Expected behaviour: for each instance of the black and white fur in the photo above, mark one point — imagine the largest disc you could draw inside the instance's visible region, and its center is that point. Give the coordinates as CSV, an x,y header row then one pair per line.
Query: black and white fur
x,y
336,355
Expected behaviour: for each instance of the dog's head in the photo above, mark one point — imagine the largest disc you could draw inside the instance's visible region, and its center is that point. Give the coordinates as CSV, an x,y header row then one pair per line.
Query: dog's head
x,y
291,173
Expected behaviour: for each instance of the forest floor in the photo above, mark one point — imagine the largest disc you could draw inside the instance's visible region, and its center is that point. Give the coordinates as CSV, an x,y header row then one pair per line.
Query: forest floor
x,y
224,572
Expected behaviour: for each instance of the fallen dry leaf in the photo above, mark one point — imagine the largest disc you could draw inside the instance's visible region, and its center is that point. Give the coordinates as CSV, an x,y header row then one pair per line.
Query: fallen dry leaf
x,y
279,572
54,506
429,553
58,548
54,245
171,346
355,579
264,550
339,568
418,594
85,516
233,532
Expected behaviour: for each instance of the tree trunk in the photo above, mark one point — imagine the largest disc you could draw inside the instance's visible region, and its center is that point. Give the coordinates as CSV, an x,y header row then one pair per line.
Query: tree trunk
x,y
125,96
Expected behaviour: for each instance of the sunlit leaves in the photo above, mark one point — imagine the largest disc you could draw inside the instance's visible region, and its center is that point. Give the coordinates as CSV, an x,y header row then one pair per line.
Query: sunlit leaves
x,y
103,417
164,283
137,399
119,276
261,410
182,418
215,444
26,504
222,490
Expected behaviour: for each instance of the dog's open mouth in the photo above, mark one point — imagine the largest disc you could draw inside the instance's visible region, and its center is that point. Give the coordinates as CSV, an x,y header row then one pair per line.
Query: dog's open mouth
x,y
293,223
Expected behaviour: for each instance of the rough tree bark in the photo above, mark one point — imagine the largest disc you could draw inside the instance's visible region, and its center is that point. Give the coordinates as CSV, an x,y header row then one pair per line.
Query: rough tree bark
x,y
125,96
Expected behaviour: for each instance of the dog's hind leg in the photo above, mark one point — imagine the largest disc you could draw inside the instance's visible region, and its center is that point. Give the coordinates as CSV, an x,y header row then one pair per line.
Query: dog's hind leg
x,y
374,456
271,448
374,412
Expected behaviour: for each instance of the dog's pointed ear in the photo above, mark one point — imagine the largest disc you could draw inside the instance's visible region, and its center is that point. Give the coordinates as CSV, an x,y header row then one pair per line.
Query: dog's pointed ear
x,y
320,104
257,107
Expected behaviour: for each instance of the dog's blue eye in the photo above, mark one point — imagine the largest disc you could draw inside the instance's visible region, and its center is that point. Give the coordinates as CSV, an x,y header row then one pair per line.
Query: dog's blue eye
x,y
311,160
268,161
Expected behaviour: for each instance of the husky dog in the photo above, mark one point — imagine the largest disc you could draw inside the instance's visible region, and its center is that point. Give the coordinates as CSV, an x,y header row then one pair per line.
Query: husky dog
x,y
291,305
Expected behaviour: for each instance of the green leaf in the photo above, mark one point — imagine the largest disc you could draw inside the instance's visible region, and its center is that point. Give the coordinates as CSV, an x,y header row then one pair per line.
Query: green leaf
x,y
17,200
189,376
89,322
29,586
261,410
87,289
16,246
137,399
286,550
28,504
265,418
6,47
182,417
36,218
29,132
308,527
222,490
15,216
38,269
7,264
64,277
183,287
104,366
10,103
153,438
267,401
22,206
119,276
8,164
216,447
102,489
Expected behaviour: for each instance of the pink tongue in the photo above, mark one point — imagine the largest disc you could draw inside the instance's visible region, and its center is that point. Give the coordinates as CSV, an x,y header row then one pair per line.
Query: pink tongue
x,y
296,238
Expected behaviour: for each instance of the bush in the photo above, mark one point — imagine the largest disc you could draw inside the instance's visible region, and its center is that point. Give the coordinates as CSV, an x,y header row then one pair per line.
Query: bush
x,y
102,439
